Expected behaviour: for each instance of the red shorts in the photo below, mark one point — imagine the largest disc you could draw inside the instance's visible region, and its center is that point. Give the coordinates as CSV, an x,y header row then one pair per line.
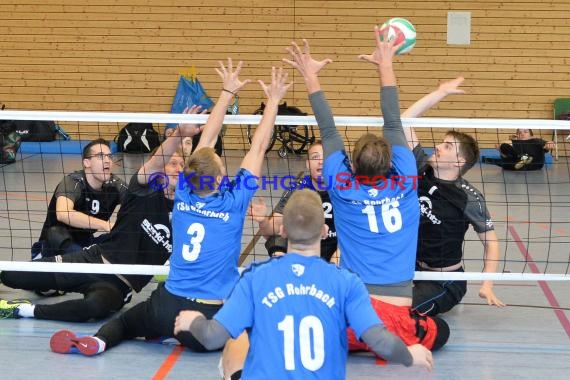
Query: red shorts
x,y
410,326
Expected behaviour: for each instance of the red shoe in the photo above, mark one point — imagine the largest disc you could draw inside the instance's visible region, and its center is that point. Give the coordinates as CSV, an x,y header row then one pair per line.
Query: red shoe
x,y
66,342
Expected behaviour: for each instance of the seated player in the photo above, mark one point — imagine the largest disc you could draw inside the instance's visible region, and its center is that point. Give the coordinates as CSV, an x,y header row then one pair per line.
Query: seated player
x,y
448,205
376,204
141,235
523,152
208,218
82,204
296,309
269,226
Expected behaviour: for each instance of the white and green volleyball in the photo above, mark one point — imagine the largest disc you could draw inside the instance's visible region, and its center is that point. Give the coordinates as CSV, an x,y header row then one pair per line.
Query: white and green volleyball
x,y
403,31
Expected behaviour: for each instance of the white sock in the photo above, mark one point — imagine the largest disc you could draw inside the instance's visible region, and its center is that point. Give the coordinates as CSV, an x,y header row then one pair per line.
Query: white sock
x,y
102,345
26,310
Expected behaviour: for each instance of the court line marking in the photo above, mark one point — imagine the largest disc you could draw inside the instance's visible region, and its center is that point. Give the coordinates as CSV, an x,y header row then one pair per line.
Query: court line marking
x,y
168,363
550,297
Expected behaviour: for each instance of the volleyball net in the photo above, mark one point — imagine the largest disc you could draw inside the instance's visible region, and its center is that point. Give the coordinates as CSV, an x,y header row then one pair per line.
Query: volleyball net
x,y
530,209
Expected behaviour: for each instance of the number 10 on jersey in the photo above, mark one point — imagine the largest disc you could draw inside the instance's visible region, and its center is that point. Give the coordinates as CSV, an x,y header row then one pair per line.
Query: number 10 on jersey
x,y
310,342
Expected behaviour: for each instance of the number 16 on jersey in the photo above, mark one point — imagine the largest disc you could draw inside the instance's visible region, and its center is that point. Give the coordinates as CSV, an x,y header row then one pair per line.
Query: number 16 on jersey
x,y
391,217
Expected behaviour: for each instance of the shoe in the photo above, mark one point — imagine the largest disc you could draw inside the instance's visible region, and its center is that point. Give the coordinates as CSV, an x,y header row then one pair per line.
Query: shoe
x,y
158,278
9,309
50,293
66,342
524,160
36,251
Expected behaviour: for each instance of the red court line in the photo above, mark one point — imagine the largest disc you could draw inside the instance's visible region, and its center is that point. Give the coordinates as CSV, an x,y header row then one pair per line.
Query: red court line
x,y
168,363
25,196
550,297
510,284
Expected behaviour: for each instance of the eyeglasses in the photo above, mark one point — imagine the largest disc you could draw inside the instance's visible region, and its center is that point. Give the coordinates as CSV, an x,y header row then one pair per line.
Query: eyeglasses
x,y
102,156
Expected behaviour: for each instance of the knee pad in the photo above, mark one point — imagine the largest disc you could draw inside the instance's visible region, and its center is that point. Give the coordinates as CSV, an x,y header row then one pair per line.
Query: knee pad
x,y
442,333
101,300
58,239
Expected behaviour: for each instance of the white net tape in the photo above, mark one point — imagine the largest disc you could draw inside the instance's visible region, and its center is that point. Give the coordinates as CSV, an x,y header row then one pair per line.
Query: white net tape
x,y
351,121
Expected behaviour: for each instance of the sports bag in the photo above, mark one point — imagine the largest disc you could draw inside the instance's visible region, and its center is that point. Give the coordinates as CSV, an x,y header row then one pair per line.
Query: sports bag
x,y
137,138
36,130
9,141
188,93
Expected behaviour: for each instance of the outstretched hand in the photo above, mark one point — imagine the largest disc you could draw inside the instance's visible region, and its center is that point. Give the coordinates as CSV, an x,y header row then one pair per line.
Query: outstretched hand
x,y
385,49
188,129
451,87
230,76
303,62
276,90
257,209
486,292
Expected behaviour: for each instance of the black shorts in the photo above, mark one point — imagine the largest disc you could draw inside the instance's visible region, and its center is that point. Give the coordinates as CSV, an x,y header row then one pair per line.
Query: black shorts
x,y
74,282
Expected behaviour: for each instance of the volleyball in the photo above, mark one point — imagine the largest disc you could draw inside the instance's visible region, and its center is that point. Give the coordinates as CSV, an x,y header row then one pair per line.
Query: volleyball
x,y
403,31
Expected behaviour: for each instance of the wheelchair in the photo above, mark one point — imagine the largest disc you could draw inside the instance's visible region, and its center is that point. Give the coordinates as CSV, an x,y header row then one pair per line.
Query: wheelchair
x,y
293,138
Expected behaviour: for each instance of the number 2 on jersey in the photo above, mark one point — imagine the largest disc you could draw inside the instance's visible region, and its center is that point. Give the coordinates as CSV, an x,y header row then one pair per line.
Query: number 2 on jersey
x,y
327,209
310,332
196,231
391,217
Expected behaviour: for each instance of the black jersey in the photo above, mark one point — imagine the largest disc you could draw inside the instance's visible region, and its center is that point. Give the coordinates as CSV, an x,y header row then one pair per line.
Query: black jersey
x,y
99,204
142,232
329,244
447,208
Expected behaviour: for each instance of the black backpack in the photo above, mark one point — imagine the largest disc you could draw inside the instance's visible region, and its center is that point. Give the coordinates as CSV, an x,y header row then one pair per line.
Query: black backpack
x,y
137,138
36,130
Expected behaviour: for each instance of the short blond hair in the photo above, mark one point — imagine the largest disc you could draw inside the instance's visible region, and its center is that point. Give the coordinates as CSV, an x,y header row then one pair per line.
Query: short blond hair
x,y
204,164
303,217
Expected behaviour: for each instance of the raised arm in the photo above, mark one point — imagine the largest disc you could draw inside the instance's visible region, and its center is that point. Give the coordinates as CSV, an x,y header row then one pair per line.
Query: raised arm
x,y
383,57
309,69
231,86
275,91
162,155
426,103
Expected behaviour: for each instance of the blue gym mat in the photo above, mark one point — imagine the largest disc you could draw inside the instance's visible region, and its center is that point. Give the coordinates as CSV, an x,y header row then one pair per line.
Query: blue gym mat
x,y
58,147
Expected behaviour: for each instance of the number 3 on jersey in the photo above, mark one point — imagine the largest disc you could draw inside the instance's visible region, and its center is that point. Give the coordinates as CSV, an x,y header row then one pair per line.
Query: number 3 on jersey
x,y
196,232
391,217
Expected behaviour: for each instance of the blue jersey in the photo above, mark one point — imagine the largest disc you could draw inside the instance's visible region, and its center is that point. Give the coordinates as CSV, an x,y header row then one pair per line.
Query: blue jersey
x,y
377,226
207,235
296,310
